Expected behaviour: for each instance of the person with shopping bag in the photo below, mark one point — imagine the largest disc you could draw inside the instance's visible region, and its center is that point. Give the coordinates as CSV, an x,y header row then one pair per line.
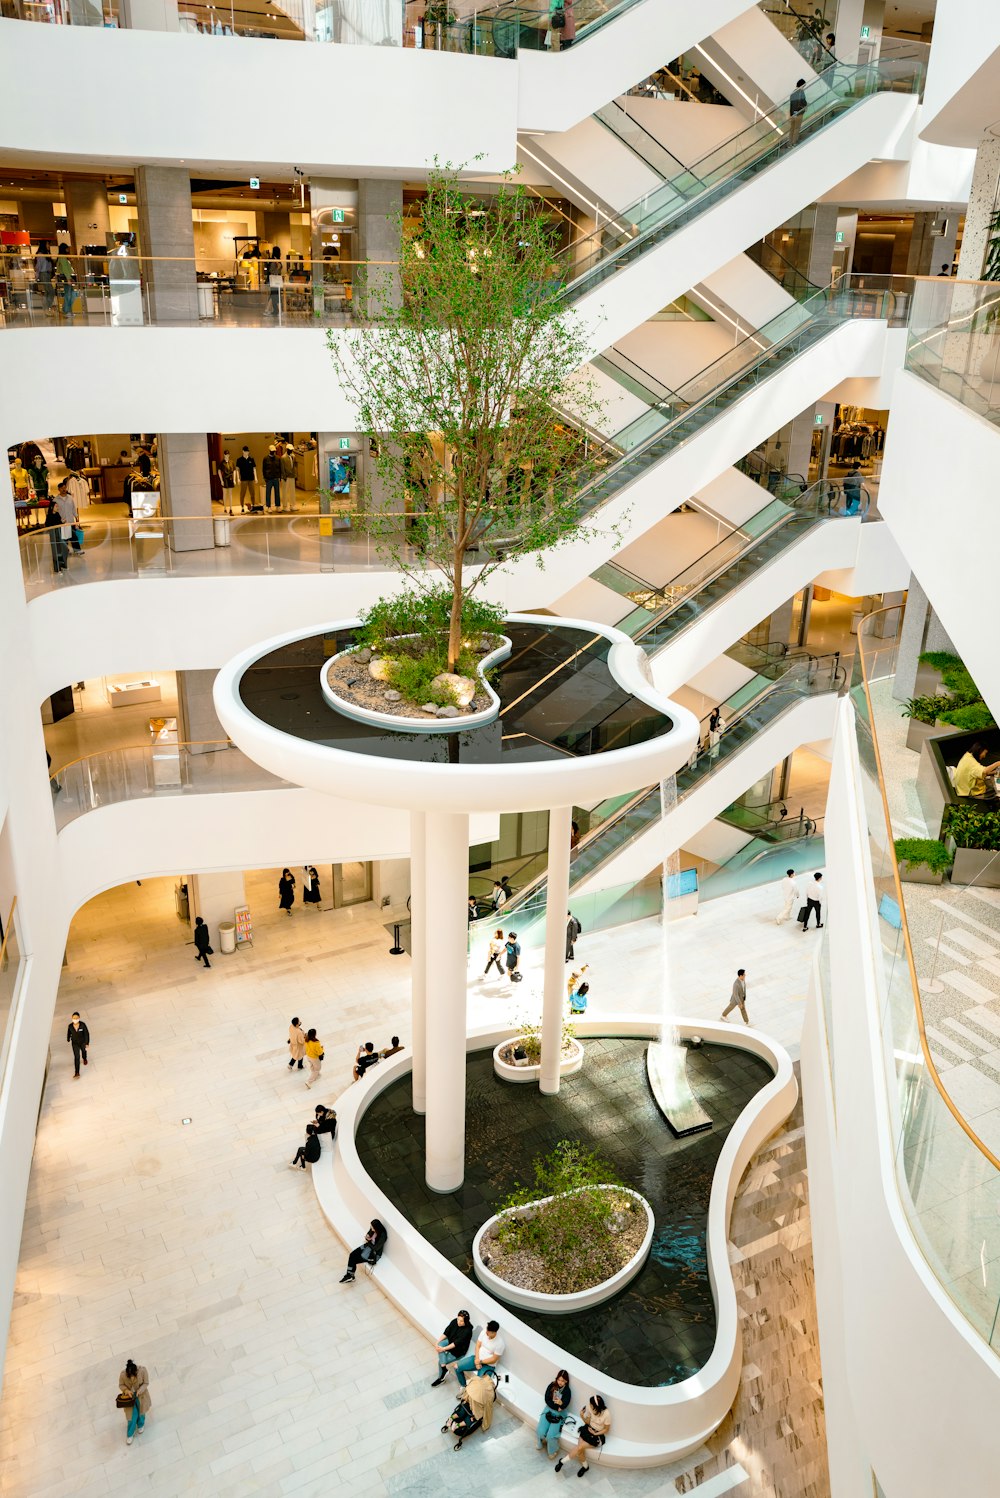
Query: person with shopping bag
x,y
133,1398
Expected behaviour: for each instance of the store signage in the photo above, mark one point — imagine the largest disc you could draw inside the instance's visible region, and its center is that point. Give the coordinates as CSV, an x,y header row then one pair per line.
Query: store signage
x,y
838,237
866,32
344,443
255,183
122,198
338,215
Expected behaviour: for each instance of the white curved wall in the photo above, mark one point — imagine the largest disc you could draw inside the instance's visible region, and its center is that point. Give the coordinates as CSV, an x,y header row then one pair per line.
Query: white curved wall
x,y
214,102
910,1388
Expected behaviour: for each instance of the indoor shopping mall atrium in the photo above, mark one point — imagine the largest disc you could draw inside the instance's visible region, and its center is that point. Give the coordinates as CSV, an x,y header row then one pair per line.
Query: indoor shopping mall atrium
x,y
598,400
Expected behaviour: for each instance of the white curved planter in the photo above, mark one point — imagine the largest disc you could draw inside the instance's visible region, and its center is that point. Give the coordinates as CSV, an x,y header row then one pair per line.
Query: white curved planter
x,y
653,1425
579,1300
422,722
568,1067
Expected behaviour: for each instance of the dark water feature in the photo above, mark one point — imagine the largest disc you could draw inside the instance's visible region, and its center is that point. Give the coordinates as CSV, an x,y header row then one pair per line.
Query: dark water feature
x,y
661,1328
556,691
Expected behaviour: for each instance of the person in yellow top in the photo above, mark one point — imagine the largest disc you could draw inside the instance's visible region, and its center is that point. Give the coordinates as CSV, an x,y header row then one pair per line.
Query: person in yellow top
x,y
19,479
314,1057
971,772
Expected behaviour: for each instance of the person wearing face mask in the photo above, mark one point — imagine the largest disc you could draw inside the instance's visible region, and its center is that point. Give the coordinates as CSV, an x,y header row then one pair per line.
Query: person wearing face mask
x,y
246,467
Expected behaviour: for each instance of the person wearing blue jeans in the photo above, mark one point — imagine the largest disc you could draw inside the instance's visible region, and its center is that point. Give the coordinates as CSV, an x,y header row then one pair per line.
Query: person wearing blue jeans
x,y
558,1396
490,1348
134,1381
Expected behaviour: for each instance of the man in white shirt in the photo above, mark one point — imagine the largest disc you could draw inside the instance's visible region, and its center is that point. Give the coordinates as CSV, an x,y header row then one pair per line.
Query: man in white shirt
x,y
490,1348
789,897
815,895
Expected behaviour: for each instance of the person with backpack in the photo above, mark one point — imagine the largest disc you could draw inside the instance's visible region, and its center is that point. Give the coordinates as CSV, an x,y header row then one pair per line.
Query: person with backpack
x,y
512,949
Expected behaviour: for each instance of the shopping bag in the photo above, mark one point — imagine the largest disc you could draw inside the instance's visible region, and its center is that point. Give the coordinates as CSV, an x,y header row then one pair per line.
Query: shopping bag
x,y
78,535
803,915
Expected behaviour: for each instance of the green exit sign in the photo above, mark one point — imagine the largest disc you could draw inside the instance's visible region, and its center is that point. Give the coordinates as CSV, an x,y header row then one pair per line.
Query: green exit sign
x,y
838,237
338,215
818,418
344,443
866,32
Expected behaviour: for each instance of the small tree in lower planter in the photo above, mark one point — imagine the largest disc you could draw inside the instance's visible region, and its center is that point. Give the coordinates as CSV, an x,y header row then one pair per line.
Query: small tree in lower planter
x,y
464,385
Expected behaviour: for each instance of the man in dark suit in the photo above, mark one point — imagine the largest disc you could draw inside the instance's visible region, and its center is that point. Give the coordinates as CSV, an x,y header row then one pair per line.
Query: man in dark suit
x,y
78,1036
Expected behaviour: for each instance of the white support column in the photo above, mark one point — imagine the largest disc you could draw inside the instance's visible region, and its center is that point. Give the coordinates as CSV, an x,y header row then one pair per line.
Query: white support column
x,y
556,906
447,874
418,957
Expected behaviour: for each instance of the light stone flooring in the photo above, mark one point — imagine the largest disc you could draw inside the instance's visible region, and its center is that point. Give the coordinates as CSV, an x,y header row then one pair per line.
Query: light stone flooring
x,y
192,1247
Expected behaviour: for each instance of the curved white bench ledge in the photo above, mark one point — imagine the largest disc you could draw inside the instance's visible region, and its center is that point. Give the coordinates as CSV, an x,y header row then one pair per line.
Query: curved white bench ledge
x,y
651,1425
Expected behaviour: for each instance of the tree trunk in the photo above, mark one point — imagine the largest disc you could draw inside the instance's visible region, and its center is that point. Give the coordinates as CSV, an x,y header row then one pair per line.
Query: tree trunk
x,y
455,628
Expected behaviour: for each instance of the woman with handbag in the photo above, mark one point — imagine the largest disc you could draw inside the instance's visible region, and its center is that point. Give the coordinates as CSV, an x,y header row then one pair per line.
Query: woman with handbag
x,y
314,1056
594,1427
286,891
133,1398
558,1397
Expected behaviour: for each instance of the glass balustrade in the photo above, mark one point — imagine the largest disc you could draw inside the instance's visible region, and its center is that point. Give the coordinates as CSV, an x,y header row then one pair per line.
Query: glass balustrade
x,y
137,772
805,28
11,972
685,196
936,997
954,341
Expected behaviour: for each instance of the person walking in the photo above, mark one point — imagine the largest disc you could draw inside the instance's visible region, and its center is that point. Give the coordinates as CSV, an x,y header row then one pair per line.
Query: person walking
x,y
314,1056
308,1153
271,469
311,894
58,543
452,1345
852,489
595,1423
133,1397
512,957
246,467
558,1397
286,891
738,997
43,275
275,281
796,111
494,953
70,516
67,280
202,941
78,1036
499,896
297,1043
789,897
573,931
815,894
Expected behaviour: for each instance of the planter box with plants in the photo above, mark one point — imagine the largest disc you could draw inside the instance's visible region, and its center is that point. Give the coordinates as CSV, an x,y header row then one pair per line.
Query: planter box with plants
x,y
975,833
519,1059
397,674
922,860
960,706
572,1240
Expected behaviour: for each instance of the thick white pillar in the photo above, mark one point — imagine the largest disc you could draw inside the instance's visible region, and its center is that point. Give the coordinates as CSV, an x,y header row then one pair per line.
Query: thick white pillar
x,y
447,875
418,957
556,906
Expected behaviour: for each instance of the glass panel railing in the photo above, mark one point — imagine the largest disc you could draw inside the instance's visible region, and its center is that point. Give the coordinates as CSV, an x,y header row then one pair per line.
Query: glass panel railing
x,y
806,32
765,860
64,12
937,1023
655,216
625,127
136,772
11,972
954,341
223,545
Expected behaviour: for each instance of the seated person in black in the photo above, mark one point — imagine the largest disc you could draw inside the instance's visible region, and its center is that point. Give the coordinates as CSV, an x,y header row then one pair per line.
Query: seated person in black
x,y
368,1253
326,1121
310,1151
452,1344
367,1056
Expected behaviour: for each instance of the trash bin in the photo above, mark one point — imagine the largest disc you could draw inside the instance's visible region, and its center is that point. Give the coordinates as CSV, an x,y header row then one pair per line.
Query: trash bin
x,y
206,299
220,525
227,936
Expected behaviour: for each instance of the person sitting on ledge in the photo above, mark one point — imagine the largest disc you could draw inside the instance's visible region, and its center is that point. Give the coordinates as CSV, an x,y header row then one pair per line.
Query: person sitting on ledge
x,y
309,1152
452,1344
490,1348
595,1423
390,1050
326,1120
369,1252
367,1056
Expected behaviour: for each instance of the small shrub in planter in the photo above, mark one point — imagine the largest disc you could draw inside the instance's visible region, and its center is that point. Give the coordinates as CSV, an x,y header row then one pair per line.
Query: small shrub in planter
x,y
974,827
583,1236
923,852
926,709
529,1041
973,718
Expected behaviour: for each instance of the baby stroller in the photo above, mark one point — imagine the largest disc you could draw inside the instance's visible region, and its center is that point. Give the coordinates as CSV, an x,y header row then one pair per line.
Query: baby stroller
x,y
474,1409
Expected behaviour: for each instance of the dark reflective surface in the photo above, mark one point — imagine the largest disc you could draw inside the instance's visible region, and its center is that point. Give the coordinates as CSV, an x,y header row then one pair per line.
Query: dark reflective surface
x,y
661,1328
557,696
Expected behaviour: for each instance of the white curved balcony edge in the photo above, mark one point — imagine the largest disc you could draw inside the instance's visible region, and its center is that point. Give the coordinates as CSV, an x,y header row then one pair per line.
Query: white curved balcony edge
x,y
652,1425
898,1355
419,785
454,106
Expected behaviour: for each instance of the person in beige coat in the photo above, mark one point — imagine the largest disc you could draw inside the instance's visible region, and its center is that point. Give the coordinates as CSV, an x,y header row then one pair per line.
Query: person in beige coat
x,y
297,1042
134,1381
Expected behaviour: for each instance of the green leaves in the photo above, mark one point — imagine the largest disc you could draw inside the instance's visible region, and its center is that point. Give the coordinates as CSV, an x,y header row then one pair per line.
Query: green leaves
x,y
920,852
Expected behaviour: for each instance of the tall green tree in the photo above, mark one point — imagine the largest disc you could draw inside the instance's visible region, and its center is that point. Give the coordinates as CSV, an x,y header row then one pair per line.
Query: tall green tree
x,y
466,385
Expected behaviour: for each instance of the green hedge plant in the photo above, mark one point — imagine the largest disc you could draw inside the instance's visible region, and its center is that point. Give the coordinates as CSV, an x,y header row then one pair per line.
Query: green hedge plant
x,y
926,709
923,852
973,827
